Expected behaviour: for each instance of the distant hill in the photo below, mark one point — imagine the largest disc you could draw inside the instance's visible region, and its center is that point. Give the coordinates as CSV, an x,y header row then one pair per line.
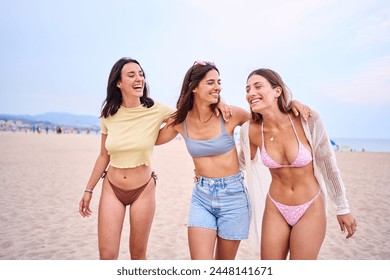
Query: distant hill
x,y
62,119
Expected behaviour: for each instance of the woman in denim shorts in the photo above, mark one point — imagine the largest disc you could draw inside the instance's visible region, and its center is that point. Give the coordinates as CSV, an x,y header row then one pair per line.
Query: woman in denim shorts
x,y
220,211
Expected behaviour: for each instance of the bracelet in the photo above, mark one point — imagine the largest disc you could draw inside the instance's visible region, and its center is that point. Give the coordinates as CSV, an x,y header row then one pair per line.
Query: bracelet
x,y
87,190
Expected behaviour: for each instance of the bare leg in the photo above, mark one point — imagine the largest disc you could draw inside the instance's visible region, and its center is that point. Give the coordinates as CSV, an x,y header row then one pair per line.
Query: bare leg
x,y
226,249
275,234
110,223
308,234
201,242
141,218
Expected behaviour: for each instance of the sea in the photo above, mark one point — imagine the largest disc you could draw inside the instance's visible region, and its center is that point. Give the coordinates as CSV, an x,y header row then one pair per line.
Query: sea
x,y
352,144
361,144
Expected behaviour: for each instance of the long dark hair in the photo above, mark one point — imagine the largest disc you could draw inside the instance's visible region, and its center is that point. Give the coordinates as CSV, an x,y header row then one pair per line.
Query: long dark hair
x,y
191,80
114,97
284,99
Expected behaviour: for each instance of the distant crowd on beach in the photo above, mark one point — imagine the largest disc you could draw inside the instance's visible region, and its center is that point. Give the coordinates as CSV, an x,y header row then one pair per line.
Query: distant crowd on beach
x,y
20,126
346,148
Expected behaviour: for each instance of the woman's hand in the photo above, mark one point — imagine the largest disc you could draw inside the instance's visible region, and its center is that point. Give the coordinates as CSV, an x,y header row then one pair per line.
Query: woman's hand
x,y
347,222
300,109
84,209
225,109
196,177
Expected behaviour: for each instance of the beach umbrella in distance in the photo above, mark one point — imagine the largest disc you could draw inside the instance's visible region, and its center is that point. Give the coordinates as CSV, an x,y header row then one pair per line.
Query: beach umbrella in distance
x,y
332,142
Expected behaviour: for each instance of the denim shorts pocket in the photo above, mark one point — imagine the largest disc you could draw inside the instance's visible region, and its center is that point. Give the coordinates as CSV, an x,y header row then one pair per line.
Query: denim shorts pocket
x,y
235,188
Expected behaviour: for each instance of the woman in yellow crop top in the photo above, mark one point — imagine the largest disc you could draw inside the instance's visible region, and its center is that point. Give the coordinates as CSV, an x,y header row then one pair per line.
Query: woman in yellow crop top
x,y
126,154
220,211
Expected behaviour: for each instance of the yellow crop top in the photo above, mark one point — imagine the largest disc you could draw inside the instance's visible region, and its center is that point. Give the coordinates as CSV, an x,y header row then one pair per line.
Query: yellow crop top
x,y
132,133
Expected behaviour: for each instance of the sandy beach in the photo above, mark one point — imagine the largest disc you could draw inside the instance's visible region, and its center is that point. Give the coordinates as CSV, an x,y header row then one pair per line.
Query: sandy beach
x,y
42,178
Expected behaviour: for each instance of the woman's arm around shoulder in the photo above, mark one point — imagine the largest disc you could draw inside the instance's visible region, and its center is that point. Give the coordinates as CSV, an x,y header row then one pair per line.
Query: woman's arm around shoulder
x,y
301,109
239,115
167,132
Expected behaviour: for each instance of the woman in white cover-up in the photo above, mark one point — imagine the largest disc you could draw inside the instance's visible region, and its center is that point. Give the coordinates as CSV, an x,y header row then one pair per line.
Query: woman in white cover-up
x,y
302,173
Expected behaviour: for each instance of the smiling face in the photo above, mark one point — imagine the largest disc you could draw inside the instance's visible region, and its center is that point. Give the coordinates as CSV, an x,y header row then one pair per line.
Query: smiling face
x,y
260,94
209,87
132,81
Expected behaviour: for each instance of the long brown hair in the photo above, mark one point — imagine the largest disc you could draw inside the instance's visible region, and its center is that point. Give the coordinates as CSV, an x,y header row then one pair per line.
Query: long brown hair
x,y
284,100
114,97
191,80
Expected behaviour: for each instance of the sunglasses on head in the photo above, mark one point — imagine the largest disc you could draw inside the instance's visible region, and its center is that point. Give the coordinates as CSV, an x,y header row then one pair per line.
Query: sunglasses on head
x,y
203,63
200,62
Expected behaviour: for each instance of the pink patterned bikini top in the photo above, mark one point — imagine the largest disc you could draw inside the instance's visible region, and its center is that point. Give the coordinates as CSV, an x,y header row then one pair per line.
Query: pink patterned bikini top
x,y
303,158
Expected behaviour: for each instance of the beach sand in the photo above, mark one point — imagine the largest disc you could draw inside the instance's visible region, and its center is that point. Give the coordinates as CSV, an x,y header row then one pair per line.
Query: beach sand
x,y
42,178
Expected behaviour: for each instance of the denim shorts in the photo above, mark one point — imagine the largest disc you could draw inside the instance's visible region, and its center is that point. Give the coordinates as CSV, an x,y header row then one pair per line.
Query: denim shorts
x,y
221,204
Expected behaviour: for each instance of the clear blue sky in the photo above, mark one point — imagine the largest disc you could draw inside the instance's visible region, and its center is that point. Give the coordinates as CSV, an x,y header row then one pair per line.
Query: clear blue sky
x,y
334,55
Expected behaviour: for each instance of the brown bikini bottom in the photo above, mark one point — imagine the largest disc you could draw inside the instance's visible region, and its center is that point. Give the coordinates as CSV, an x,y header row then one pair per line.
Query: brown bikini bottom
x,y
128,197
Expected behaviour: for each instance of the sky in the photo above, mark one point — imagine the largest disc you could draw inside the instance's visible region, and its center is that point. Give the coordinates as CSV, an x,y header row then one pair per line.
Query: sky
x,y
55,56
